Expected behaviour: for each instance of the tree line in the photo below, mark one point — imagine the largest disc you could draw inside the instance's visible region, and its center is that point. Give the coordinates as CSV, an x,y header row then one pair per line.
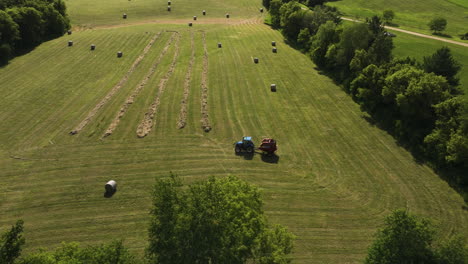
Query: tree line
x,y
420,103
25,24
219,220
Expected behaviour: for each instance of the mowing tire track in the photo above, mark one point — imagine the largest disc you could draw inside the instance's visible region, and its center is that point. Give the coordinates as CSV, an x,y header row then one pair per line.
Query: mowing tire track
x,y
115,89
204,88
188,79
144,128
131,99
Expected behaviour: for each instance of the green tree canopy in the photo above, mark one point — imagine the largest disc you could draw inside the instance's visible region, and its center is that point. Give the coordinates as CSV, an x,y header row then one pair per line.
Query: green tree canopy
x,y
388,16
442,63
11,243
72,253
219,220
438,24
407,239
404,239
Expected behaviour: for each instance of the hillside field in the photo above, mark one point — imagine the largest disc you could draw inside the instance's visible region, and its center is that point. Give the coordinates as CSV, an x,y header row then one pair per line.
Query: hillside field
x,y
416,47
412,15
334,179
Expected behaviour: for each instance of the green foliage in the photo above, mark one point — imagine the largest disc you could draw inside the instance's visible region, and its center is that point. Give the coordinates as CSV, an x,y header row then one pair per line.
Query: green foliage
x,y
388,15
214,221
304,38
327,34
437,25
72,253
375,25
409,239
11,243
354,37
25,24
275,6
381,49
30,24
442,63
291,18
404,239
454,251
9,31
266,3
464,36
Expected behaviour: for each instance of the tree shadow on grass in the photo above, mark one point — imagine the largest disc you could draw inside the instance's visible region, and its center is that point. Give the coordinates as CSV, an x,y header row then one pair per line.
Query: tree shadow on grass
x,y
443,35
450,175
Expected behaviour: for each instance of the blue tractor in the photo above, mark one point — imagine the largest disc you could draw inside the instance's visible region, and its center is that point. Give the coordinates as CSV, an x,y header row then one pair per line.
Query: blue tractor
x,y
246,145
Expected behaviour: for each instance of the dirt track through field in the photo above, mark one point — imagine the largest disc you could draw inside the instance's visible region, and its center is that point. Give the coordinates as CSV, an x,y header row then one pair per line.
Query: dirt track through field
x,y
144,128
115,89
131,99
414,33
204,89
188,78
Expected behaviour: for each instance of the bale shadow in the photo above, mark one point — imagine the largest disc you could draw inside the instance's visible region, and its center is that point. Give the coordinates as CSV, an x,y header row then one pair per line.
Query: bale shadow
x,y
273,158
109,194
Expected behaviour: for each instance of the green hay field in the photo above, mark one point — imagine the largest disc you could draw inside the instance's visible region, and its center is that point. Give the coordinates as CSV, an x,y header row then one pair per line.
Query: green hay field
x,y
412,15
335,178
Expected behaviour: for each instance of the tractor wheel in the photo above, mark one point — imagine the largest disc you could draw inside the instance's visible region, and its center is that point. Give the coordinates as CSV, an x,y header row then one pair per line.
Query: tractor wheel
x,y
238,150
249,150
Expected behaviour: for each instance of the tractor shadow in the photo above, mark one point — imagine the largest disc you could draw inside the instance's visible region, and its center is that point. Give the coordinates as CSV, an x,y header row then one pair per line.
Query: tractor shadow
x,y
273,158
246,155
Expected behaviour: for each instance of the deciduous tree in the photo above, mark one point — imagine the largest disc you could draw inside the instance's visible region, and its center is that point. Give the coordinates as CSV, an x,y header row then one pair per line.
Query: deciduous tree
x,y
215,221
11,243
437,25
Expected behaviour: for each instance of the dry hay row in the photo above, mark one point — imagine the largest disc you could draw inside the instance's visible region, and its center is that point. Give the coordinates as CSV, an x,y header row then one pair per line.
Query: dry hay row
x,y
147,123
131,99
116,88
204,89
188,78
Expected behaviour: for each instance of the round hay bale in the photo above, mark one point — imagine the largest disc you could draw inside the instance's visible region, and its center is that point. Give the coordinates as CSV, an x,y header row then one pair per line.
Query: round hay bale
x,y
69,32
93,47
124,16
273,87
219,45
256,60
227,15
119,54
261,10
273,43
194,17
190,24
168,2
204,12
169,8
111,186
70,43
274,50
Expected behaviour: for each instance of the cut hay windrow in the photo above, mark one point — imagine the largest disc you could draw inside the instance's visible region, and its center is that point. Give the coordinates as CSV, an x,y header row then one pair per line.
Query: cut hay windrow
x,y
145,126
188,78
204,89
131,99
115,89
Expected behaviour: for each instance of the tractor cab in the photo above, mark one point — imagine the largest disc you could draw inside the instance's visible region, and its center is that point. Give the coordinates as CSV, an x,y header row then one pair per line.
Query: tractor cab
x,y
246,145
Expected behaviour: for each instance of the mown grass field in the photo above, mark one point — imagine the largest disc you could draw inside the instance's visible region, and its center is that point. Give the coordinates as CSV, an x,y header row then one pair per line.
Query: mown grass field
x,y
90,13
412,15
335,178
